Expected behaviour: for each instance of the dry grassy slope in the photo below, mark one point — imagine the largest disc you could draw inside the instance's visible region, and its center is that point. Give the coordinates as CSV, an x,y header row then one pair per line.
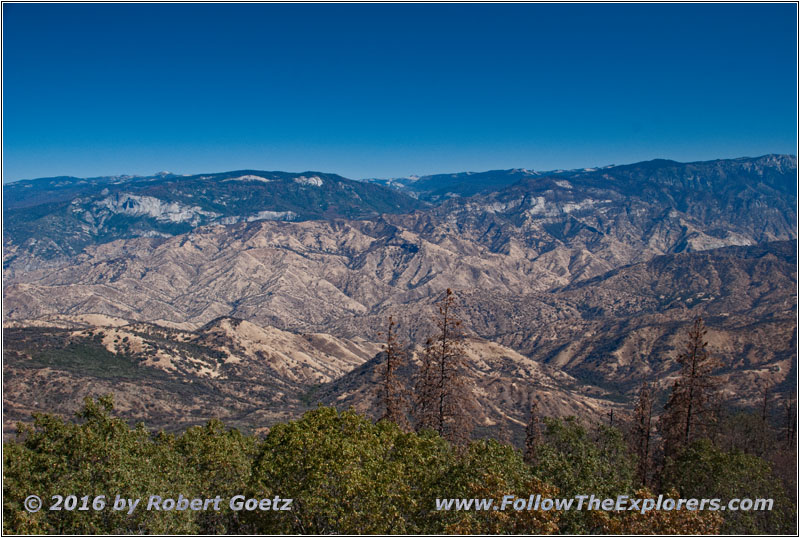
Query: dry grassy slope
x,y
167,377
253,376
635,317
304,359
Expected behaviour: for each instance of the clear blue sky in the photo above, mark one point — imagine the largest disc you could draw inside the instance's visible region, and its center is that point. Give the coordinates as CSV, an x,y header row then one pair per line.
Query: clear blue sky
x,y
391,90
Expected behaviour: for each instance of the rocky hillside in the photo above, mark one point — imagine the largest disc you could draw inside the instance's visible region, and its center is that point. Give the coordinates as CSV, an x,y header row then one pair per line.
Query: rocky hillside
x,y
581,281
440,187
624,214
579,349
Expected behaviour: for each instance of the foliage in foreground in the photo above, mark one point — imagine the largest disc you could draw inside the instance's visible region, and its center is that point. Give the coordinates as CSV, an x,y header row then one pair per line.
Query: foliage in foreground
x,y
346,474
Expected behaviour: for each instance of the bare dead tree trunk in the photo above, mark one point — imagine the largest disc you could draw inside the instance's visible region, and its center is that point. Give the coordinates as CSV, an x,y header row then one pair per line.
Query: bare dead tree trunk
x,y
789,421
394,394
643,429
533,434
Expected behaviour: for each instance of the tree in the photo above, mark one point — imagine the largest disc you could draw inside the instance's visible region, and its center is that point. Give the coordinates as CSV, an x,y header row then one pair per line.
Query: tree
x,y
765,428
690,412
702,470
347,475
492,470
745,431
100,456
533,434
579,461
765,403
221,461
642,432
659,521
394,401
443,397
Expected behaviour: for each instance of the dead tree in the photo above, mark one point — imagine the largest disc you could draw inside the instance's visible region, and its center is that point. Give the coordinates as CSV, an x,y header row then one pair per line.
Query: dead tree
x,y
764,403
690,412
533,434
443,396
642,431
393,391
789,421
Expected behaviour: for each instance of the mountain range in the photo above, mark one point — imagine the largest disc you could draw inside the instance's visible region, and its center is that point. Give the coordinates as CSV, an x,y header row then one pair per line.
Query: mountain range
x,y
266,292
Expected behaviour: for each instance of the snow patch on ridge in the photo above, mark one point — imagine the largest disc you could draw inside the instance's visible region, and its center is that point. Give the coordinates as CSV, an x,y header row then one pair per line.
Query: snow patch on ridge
x,y
273,215
250,177
313,180
261,215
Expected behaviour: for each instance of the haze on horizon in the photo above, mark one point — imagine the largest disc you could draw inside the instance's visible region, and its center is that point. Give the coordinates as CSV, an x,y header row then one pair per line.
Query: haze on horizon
x,y
391,90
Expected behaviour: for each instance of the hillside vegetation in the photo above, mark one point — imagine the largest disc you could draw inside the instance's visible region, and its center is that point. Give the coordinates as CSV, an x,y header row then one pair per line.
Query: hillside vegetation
x,y
347,475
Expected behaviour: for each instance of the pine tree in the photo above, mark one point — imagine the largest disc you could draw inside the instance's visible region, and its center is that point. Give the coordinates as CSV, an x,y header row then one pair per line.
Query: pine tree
x,y
642,431
533,434
690,412
443,398
394,397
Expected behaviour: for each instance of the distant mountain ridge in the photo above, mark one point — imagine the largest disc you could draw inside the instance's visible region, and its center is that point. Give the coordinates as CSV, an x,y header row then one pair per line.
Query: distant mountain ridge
x,y
439,187
653,207
61,216
537,234
55,217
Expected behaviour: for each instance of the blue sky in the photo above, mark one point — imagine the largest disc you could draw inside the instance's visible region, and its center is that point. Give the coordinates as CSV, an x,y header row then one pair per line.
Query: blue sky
x,y
393,89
